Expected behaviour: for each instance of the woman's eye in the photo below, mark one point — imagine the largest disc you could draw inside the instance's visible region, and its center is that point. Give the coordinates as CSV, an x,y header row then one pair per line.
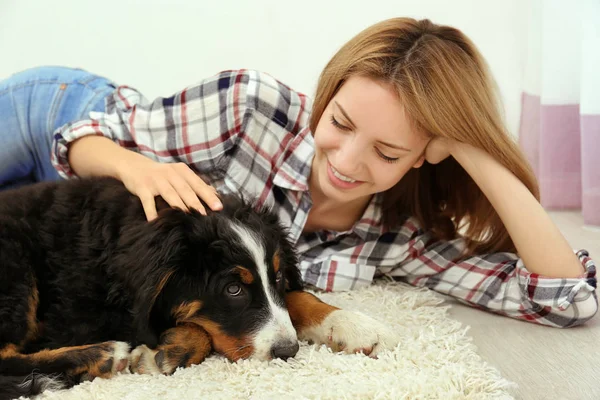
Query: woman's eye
x,y
278,276
385,158
336,123
234,290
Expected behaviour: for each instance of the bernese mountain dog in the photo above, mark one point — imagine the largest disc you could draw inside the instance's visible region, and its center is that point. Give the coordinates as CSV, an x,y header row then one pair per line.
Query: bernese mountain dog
x,y
84,278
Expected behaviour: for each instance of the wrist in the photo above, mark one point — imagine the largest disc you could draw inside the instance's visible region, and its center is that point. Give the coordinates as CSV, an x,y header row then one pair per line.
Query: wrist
x,y
129,161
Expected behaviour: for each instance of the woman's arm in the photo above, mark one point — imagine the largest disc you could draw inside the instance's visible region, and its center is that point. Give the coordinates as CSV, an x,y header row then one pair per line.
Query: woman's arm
x,y
150,146
201,127
176,183
100,156
539,243
500,283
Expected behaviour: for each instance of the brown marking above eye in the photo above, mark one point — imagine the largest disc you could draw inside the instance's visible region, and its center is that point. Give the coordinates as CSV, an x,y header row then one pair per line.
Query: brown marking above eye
x,y
276,261
185,311
245,275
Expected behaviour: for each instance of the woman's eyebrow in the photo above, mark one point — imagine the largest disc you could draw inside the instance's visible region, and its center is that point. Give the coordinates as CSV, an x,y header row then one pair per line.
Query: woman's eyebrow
x,y
393,146
345,114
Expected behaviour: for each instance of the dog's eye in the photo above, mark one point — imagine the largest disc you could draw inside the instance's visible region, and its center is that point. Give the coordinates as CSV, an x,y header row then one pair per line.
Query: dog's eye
x,y
234,290
278,277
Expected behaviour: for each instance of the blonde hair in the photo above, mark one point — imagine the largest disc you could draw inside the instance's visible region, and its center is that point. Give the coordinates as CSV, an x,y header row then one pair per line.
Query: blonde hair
x,y
447,90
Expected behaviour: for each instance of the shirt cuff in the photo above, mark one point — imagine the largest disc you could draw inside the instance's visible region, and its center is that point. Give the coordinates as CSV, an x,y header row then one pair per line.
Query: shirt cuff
x,y
559,293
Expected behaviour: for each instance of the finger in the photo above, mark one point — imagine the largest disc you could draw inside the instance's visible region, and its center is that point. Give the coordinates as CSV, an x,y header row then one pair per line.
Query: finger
x,y
191,198
170,195
149,205
186,193
206,192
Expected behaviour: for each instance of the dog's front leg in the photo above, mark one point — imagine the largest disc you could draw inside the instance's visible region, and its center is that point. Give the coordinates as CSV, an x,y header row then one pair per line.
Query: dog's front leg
x,y
69,365
341,330
182,346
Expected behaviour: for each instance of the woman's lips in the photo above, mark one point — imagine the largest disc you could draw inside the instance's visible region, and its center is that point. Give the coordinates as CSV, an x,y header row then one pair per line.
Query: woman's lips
x,y
339,183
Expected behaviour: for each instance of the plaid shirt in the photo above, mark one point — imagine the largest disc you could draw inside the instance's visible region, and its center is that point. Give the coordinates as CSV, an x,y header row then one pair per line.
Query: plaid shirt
x,y
245,132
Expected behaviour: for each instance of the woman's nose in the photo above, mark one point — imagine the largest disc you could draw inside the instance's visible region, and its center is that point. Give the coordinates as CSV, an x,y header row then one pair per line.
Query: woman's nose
x,y
350,155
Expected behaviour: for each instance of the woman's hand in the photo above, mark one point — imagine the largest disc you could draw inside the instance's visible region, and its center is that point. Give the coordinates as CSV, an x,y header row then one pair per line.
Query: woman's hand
x,y
176,183
438,150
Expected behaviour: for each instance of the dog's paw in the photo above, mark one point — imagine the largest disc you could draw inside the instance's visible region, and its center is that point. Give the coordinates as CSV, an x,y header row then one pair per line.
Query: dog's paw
x,y
160,361
106,360
352,332
143,361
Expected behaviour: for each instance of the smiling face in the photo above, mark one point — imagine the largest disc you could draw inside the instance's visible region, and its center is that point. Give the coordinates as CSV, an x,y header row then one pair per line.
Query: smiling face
x,y
364,143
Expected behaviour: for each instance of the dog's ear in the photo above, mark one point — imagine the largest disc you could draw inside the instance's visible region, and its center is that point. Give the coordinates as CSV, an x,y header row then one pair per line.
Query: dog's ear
x,y
292,274
149,255
144,299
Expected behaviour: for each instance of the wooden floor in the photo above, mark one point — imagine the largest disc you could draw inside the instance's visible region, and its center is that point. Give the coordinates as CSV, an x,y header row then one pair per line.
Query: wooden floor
x,y
546,363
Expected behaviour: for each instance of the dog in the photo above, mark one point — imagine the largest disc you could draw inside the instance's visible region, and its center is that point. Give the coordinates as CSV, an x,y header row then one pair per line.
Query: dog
x,y
84,278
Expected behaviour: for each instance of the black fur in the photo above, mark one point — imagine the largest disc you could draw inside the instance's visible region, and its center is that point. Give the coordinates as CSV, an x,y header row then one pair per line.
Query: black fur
x,y
14,387
85,247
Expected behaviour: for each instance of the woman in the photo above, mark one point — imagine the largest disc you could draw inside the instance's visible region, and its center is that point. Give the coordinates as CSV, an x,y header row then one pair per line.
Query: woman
x,y
402,166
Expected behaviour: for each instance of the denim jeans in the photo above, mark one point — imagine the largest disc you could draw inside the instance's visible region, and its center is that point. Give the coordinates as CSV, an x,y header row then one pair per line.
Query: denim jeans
x,y
33,104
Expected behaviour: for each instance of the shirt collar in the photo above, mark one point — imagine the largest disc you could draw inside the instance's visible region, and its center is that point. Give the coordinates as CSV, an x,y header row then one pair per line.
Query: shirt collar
x,y
370,224
294,167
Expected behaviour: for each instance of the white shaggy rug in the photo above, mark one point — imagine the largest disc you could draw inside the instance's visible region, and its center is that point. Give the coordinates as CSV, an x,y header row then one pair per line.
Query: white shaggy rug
x,y
435,360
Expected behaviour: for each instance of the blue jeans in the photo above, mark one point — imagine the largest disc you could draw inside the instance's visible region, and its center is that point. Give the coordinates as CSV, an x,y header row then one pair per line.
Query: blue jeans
x,y
33,104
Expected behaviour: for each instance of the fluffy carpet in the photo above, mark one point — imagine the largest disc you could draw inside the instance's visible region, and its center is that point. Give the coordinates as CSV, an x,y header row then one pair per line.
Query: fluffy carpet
x,y
435,360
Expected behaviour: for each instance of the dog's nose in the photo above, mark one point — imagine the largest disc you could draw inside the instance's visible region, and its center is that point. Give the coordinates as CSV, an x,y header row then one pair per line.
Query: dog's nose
x,y
284,350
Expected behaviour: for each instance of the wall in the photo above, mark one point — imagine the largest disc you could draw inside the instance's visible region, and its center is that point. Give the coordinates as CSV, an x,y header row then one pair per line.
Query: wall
x,y
161,46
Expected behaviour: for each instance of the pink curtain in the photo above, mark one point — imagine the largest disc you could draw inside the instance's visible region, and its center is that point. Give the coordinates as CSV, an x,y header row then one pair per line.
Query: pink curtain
x,y
560,120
